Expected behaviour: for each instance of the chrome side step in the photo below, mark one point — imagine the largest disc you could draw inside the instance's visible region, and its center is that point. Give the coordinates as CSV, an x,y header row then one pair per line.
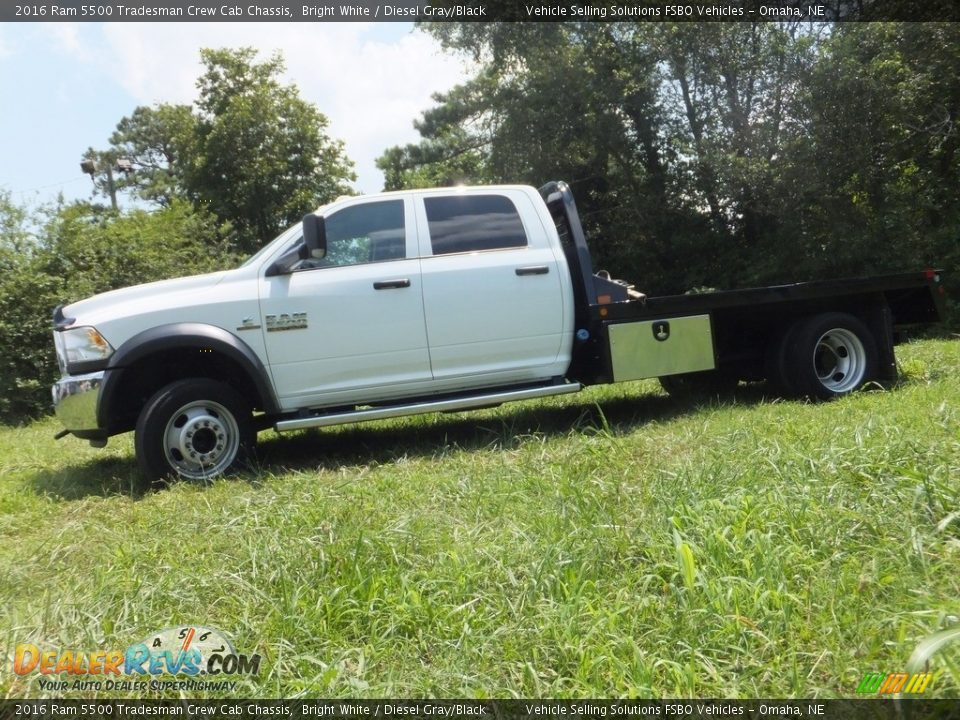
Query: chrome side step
x,y
447,405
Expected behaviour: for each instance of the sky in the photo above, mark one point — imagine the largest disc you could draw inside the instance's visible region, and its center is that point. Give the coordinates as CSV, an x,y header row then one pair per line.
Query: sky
x,y
64,87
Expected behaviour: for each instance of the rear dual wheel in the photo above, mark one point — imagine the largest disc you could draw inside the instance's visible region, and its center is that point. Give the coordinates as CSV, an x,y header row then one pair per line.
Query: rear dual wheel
x,y
823,357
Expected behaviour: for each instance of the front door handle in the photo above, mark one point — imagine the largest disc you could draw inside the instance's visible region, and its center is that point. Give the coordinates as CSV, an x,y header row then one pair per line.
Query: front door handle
x,y
391,284
533,270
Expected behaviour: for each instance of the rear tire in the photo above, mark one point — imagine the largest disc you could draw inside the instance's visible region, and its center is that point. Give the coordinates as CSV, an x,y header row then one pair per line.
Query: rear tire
x,y
829,355
195,429
775,362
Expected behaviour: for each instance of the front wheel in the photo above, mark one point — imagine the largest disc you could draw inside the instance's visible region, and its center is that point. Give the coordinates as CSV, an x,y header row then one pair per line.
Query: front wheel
x,y
830,355
195,429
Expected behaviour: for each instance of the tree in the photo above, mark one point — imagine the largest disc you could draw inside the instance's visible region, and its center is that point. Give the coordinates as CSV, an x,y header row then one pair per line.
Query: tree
x,y
730,100
572,101
716,154
451,159
251,150
876,159
97,251
158,141
14,236
261,158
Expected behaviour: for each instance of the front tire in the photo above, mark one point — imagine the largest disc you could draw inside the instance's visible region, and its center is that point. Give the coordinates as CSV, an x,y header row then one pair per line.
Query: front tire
x,y
194,429
830,355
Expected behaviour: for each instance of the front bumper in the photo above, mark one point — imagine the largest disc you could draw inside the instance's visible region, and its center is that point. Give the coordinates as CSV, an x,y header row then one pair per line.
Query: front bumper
x,y
75,399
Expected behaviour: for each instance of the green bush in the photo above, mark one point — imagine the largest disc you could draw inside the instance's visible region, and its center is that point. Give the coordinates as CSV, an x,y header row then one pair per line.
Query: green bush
x,y
80,250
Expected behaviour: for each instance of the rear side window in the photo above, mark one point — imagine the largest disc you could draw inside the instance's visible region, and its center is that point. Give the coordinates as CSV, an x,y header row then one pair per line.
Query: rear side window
x,y
472,223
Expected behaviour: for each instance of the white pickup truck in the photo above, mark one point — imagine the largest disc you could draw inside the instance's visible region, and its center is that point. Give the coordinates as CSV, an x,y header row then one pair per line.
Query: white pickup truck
x,y
437,300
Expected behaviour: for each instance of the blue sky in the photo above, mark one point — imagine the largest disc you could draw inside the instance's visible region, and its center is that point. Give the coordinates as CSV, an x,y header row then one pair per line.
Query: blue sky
x,y
65,85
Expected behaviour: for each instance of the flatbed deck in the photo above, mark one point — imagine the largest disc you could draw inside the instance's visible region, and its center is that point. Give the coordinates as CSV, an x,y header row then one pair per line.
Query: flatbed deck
x,y
913,298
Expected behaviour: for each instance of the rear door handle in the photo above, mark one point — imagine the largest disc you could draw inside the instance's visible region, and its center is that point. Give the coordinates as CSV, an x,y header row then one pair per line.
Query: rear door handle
x,y
533,270
391,284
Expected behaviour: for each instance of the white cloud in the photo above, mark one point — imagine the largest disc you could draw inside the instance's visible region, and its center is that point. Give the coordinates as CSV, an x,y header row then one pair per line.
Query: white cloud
x,y
370,81
66,39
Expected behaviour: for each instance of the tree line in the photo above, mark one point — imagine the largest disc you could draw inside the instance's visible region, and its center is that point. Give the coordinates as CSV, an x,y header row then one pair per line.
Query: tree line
x,y
715,155
702,156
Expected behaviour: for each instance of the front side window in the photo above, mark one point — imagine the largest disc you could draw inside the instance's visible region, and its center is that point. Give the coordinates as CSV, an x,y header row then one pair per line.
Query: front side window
x,y
473,223
367,233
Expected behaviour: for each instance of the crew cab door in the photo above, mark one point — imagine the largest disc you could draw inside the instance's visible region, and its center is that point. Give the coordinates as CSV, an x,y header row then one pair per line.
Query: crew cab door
x,y
491,288
350,327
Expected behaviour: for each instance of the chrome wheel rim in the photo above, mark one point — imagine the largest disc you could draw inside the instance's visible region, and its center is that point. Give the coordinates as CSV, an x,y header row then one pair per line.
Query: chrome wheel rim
x,y
840,360
201,440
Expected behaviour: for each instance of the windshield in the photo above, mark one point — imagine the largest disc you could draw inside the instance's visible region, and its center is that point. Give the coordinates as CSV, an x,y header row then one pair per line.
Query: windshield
x,y
295,231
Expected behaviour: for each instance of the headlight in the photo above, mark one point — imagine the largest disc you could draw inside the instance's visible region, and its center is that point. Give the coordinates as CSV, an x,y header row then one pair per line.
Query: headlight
x,y
81,345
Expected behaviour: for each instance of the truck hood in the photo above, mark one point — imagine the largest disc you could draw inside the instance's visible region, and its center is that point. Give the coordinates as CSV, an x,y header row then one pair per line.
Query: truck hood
x,y
149,297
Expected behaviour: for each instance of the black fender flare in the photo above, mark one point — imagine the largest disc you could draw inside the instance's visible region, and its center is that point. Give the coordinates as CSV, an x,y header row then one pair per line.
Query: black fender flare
x,y
183,335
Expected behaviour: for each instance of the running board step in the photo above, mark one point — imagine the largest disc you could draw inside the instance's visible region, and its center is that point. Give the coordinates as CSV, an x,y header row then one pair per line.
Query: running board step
x,y
448,405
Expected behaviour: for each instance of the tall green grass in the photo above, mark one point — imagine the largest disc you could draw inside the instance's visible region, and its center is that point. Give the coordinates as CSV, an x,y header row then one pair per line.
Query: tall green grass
x,y
612,543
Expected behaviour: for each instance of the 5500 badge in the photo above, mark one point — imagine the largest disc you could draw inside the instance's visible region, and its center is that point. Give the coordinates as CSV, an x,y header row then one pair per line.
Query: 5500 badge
x,y
186,650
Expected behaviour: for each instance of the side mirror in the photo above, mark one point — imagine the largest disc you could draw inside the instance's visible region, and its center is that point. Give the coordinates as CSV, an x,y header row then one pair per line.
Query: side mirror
x,y
315,235
285,263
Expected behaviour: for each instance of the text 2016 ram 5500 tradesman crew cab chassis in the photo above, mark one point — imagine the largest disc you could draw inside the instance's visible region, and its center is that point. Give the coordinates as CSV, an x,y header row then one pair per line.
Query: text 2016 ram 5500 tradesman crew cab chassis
x,y
438,300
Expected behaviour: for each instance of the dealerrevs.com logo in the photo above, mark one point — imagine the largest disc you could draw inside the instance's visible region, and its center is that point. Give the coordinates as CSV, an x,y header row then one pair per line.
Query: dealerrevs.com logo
x,y
188,650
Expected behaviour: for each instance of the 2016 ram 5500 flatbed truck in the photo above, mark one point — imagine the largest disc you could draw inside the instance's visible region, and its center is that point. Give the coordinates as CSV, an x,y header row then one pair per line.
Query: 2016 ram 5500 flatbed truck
x,y
437,300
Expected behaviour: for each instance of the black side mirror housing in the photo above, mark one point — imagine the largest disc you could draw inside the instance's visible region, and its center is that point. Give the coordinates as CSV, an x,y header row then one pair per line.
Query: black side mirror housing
x,y
314,246
315,235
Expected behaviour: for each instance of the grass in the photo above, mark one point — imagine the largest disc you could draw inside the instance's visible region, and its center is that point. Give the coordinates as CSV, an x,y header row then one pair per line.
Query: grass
x,y
611,543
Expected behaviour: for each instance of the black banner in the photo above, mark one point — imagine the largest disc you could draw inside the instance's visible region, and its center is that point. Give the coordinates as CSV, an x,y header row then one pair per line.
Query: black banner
x,y
476,10
866,709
